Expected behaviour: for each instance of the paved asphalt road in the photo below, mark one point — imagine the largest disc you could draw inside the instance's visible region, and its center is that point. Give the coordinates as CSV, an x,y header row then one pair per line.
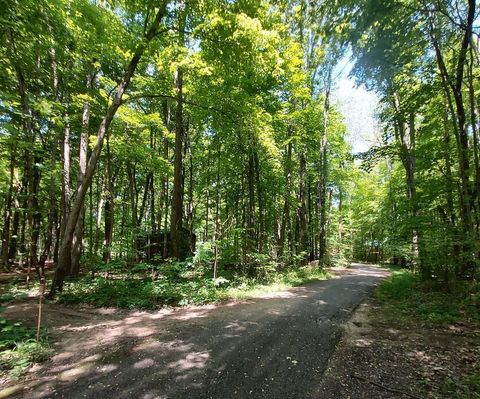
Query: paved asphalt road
x,y
276,346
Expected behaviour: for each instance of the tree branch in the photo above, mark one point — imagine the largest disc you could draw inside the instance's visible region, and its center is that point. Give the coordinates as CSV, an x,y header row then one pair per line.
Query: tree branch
x,y
232,117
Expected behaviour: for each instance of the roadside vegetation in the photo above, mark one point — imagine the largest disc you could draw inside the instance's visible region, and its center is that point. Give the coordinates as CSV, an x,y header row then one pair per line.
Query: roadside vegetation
x,y
173,283
19,348
407,296
136,132
180,285
449,315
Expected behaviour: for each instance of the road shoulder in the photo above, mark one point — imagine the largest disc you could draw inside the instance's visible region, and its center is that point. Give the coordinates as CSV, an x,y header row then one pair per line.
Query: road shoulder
x,y
379,357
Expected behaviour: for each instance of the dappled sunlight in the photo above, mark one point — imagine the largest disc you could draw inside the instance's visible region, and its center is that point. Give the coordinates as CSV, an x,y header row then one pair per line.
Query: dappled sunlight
x,y
363,342
360,270
393,331
192,314
235,325
281,294
108,368
107,311
194,360
62,356
144,364
180,347
420,355
240,326
149,345
75,372
159,314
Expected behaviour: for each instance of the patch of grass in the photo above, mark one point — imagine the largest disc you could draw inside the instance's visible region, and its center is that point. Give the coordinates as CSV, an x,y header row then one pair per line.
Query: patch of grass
x,y
18,290
281,281
139,293
407,301
179,290
18,348
404,296
466,388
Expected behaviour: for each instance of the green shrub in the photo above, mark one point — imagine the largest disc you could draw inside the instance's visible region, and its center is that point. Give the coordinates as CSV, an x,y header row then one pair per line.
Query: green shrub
x,y
177,283
204,254
18,348
406,293
467,387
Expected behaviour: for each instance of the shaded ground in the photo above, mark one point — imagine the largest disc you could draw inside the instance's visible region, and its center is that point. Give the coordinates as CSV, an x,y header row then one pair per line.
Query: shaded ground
x,y
381,358
274,346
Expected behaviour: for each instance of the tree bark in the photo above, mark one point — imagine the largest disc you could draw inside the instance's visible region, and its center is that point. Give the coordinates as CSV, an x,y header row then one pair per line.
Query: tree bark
x,y
190,208
77,244
322,184
109,207
65,201
8,214
251,200
454,85
302,209
64,257
286,205
408,158
178,186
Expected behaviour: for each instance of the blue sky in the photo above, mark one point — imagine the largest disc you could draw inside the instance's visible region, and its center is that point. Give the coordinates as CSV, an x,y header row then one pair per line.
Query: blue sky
x,y
358,107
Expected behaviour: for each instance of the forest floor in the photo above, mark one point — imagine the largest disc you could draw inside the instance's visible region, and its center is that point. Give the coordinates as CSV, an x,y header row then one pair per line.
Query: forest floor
x,y
276,345
402,347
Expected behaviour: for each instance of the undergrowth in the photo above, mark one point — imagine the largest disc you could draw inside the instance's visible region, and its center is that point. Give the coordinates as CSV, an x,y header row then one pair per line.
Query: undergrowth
x,y
467,387
19,348
406,300
429,302
183,287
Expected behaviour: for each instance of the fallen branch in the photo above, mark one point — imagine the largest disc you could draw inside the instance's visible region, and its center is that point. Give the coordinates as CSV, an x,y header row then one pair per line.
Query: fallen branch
x,y
394,390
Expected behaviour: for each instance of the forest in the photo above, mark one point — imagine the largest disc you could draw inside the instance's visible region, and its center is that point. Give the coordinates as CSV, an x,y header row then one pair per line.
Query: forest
x,y
162,153
143,138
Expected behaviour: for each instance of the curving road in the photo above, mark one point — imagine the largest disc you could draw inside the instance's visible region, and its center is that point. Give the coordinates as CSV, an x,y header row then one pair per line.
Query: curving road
x,y
276,346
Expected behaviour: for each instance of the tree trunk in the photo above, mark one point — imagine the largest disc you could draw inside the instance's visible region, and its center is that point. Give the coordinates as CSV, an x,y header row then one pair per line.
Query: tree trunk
x,y
12,248
77,243
133,195
207,194
65,201
302,210
322,185
190,209
64,257
109,207
286,206
217,213
474,125
35,218
178,186
454,86
166,202
8,214
251,201
408,158
52,215
178,189
261,212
